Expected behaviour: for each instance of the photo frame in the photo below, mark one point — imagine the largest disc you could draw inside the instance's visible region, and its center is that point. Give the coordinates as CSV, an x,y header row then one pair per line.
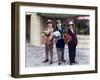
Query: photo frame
x,y
22,62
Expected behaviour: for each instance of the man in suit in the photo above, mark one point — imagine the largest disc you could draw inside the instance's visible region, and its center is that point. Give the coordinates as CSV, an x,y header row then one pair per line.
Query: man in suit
x,y
60,44
72,43
48,39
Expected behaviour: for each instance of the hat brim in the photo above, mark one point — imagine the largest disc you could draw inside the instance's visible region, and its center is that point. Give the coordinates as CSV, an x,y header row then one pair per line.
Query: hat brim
x,y
70,24
49,22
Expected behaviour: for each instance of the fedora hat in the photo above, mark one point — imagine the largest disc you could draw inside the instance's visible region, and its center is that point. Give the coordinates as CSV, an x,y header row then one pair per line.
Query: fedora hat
x,y
70,23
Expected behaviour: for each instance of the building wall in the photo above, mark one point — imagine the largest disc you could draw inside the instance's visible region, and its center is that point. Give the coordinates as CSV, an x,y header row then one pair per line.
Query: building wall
x,y
36,29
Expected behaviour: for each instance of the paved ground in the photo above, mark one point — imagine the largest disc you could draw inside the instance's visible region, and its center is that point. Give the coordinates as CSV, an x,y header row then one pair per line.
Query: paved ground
x,y
35,55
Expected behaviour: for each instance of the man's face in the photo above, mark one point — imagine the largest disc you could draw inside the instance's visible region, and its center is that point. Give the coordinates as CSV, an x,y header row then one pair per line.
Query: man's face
x,y
70,26
58,24
49,24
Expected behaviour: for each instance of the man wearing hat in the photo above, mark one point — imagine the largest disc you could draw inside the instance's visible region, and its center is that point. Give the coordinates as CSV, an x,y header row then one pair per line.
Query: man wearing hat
x,y
60,44
48,36
72,43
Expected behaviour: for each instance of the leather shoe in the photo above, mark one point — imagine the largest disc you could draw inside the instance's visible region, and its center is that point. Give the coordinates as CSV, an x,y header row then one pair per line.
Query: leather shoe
x,y
45,61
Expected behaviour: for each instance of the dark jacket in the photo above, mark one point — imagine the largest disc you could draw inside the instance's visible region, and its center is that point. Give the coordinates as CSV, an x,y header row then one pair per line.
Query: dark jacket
x,y
60,43
73,42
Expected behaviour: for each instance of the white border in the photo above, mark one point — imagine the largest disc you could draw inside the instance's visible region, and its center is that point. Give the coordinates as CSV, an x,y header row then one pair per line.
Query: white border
x,y
67,68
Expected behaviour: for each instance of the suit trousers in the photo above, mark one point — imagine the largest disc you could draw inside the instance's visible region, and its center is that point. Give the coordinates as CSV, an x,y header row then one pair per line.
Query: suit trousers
x,y
49,51
72,54
60,54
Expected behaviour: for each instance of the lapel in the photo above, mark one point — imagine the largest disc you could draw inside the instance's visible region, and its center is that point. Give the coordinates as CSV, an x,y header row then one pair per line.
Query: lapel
x,y
61,30
72,32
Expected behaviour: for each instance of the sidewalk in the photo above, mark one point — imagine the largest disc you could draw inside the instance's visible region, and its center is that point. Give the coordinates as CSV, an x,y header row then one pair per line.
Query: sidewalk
x,y
35,55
